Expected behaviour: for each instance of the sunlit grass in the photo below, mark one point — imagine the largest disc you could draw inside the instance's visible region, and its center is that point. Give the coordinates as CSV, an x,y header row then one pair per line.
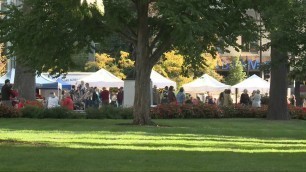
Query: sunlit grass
x,y
144,141
202,137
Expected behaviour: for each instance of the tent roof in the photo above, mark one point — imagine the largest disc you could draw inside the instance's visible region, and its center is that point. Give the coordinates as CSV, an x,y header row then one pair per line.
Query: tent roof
x,y
161,81
254,82
205,83
102,78
62,84
41,81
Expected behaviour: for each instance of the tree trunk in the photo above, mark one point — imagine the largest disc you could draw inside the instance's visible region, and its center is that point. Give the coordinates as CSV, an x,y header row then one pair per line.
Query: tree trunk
x,y
24,82
143,68
278,108
297,93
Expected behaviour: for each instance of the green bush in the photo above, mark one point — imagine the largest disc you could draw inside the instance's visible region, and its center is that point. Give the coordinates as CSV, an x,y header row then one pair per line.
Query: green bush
x,y
32,112
9,112
58,113
125,113
109,112
94,113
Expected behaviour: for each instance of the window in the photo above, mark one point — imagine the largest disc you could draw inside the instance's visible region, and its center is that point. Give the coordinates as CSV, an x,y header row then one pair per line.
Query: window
x,y
251,47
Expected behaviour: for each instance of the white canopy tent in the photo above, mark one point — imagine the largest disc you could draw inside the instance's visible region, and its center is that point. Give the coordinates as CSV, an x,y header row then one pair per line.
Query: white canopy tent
x,y
254,82
70,77
102,78
41,81
161,81
204,83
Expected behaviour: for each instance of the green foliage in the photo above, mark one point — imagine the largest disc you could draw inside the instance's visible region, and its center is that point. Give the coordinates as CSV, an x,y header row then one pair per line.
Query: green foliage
x,y
236,73
32,112
57,113
109,112
46,34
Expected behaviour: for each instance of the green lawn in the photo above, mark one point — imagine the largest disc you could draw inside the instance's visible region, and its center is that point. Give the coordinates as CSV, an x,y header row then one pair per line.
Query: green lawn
x,y
176,145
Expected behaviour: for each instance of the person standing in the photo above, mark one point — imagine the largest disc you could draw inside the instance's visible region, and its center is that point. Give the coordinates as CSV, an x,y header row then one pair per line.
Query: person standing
x,y
114,99
221,98
104,95
67,102
181,96
244,98
120,96
164,99
227,98
256,101
6,92
156,96
52,101
95,97
171,95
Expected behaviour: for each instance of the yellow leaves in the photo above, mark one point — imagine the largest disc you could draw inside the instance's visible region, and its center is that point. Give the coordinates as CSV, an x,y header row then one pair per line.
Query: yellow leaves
x,y
110,64
124,61
124,54
104,60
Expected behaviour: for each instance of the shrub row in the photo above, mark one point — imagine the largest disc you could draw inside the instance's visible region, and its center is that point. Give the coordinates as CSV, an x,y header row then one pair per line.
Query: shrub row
x,y
30,111
159,112
213,111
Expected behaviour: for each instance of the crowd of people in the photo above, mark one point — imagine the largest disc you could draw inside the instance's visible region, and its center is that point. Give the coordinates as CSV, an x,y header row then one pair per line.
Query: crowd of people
x,y
83,96
255,99
78,98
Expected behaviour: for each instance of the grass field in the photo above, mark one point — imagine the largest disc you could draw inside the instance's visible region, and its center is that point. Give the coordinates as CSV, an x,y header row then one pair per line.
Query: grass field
x,y
175,145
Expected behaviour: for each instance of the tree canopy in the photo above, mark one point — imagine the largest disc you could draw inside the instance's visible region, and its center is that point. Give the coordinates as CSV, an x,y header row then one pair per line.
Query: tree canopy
x,y
50,31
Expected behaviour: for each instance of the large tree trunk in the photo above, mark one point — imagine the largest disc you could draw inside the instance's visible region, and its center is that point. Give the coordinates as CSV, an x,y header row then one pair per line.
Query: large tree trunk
x,y
278,108
143,68
25,82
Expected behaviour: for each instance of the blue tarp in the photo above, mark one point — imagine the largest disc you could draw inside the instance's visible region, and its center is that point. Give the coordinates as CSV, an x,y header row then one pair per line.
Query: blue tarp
x,y
63,85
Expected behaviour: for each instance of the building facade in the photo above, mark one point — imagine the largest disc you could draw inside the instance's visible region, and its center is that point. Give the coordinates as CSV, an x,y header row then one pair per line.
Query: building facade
x,y
250,55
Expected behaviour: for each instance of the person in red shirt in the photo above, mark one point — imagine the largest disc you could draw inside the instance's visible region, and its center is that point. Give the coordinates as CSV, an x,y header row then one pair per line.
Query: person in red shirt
x,y
67,102
21,103
104,96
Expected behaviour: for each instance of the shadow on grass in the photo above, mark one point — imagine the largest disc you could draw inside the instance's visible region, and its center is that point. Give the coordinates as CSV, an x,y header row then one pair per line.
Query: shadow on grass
x,y
66,159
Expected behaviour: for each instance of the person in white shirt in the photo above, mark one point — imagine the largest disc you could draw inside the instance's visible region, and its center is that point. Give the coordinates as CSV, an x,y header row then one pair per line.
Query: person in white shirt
x,y
256,102
52,101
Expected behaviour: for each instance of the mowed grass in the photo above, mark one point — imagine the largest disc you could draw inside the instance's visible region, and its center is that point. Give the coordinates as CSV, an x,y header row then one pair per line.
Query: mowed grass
x,y
174,145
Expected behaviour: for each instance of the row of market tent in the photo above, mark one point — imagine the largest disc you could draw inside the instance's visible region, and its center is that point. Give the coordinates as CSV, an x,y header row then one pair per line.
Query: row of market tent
x,y
208,83
103,78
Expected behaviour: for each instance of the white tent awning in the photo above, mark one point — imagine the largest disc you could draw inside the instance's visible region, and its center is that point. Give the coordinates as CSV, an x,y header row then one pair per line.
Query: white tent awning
x,y
102,78
204,83
161,81
254,82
